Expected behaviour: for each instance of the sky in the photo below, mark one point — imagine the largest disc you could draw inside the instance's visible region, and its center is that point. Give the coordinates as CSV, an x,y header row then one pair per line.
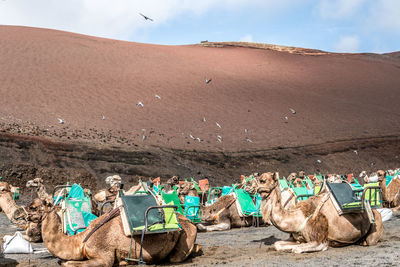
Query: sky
x,y
329,25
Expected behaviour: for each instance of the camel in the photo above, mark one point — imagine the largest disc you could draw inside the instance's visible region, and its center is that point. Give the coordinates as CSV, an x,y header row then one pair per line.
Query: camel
x,y
390,193
17,215
108,244
40,189
315,224
222,215
24,218
186,189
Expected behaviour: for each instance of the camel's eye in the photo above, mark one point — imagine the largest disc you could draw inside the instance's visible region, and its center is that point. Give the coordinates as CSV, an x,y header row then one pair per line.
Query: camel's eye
x,y
262,181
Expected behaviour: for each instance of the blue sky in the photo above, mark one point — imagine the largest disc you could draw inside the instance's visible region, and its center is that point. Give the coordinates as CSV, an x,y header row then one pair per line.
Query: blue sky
x,y
331,25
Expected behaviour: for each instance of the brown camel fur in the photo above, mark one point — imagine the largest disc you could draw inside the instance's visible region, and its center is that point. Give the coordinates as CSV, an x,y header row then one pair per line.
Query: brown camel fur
x,y
40,189
391,193
186,189
315,223
108,244
17,215
226,219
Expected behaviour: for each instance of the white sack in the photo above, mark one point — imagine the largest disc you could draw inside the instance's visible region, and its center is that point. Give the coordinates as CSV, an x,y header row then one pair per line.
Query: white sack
x,y
16,244
386,214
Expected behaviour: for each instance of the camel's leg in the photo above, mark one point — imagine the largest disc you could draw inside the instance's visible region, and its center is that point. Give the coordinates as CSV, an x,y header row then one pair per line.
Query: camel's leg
x,y
376,230
287,245
396,209
89,263
185,244
310,247
218,227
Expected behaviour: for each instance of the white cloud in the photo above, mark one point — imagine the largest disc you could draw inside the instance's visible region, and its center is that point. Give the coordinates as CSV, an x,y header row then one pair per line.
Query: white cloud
x,y
336,9
117,19
348,44
386,15
246,38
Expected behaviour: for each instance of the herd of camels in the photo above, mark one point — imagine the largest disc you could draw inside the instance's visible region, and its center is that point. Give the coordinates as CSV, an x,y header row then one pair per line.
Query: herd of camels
x,y
313,224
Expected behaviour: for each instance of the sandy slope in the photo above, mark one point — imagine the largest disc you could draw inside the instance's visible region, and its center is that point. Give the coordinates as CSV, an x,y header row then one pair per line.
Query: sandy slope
x,y
46,74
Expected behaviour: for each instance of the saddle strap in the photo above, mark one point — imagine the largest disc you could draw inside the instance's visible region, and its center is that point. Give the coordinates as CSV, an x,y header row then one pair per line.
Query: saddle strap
x,y
111,215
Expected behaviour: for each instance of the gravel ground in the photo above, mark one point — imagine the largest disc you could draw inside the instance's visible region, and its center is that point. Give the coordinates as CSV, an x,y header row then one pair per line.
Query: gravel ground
x,y
252,247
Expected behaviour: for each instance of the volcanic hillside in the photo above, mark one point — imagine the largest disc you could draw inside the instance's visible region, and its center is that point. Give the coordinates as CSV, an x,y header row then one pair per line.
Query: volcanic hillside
x,y
342,103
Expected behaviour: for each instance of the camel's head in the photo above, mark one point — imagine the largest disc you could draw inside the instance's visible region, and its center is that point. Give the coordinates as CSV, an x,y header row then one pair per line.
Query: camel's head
x,y
186,189
4,188
35,182
267,183
335,178
381,175
174,180
292,176
216,213
302,174
114,180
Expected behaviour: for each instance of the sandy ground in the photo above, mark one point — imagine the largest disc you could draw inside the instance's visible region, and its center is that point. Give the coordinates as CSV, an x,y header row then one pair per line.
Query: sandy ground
x,y
253,247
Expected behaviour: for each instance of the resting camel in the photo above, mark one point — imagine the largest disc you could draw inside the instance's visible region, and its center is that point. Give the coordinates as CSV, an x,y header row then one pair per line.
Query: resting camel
x,y
222,215
40,189
186,189
391,193
25,218
314,223
109,245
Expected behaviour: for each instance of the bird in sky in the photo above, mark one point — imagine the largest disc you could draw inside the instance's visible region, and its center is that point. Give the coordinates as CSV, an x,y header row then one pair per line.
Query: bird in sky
x,y
157,96
246,131
60,121
319,161
292,110
191,136
103,117
355,151
219,138
198,139
208,81
286,119
143,137
218,125
249,140
140,104
145,17
203,119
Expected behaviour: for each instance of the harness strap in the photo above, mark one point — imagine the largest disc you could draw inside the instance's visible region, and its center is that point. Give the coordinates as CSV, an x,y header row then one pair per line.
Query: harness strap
x,y
224,208
288,200
304,223
315,213
110,216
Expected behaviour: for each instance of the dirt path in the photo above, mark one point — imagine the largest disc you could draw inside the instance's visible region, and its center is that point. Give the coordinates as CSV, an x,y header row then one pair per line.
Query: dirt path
x,y
253,247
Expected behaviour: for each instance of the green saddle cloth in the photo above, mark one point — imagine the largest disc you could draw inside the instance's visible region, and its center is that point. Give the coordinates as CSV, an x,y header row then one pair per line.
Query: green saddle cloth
x,y
158,220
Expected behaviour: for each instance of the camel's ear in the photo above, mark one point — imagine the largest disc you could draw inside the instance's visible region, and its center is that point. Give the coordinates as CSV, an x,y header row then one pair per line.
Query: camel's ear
x,y
275,176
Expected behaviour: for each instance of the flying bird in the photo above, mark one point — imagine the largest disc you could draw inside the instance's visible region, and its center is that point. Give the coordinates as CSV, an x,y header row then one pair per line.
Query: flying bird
x,y
355,151
191,136
157,96
140,104
145,17
219,138
60,121
319,161
286,119
204,119
245,131
103,117
292,110
143,137
249,140
198,139
218,125
208,81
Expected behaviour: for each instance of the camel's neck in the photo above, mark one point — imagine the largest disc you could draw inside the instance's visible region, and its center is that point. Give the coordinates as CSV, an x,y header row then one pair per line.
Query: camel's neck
x,y
285,220
42,194
8,205
382,185
60,245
